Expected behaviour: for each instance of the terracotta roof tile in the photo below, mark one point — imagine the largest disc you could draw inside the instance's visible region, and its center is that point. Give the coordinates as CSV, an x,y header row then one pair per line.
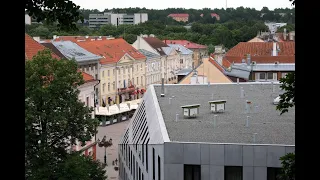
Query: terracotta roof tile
x,y
261,49
178,15
185,43
87,77
263,59
112,50
32,47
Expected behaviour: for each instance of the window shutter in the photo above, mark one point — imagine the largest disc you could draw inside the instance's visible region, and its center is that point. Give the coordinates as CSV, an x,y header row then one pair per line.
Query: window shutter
x,y
275,76
257,76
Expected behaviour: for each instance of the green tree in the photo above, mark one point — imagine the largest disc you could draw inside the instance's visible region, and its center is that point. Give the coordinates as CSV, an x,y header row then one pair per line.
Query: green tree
x,y
130,38
65,12
210,49
54,116
288,171
80,167
41,31
287,99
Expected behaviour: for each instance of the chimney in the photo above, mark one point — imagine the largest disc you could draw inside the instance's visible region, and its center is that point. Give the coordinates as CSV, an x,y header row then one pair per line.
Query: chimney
x,y
241,92
162,87
237,81
248,106
285,34
248,59
177,117
215,117
247,121
54,37
87,37
274,49
170,100
254,137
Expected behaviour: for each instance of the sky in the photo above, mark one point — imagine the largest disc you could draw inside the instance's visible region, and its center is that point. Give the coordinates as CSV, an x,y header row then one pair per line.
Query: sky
x,y
195,4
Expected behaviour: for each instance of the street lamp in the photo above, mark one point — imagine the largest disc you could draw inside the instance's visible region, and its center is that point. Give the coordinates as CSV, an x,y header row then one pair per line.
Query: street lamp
x,y
104,143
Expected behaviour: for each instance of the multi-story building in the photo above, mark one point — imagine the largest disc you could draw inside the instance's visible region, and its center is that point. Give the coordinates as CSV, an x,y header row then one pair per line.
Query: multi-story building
x,y
170,58
86,95
97,20
180,17
122,70
221,131
199,51
267,61
27,19
153,67
185,56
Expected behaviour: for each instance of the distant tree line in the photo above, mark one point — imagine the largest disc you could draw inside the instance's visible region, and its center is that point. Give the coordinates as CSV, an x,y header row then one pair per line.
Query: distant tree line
x,y
235,25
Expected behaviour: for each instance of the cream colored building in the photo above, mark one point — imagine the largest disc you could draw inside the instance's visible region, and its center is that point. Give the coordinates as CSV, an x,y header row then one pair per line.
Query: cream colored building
x,y
170,58
207,72
122,70
117,79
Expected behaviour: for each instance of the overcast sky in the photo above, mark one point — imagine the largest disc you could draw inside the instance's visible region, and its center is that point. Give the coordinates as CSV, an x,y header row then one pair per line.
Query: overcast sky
x,y
196,4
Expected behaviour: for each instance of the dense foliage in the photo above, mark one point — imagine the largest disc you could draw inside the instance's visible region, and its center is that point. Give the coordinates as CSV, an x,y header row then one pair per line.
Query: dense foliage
x,y
288,171
235,25
54,116
65,12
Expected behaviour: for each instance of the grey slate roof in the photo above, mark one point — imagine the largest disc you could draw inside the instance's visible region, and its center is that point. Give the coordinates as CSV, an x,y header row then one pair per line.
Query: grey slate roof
x,y
182,49
148,54
184,72
238,71
72,50
230,126
167,50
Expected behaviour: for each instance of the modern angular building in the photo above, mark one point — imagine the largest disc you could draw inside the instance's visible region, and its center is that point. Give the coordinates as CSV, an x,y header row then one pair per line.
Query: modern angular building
x,y
207,132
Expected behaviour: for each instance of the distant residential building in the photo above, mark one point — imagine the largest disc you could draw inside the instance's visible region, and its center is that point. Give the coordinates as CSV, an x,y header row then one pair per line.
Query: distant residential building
x,y
199,51
98,20
258,61
205,73
180,17
213,15
27,19
273,27
170,58
185,56
217,132
122,70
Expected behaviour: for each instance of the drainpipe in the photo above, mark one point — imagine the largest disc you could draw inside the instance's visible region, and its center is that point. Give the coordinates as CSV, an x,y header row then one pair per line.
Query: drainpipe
x,y
94,105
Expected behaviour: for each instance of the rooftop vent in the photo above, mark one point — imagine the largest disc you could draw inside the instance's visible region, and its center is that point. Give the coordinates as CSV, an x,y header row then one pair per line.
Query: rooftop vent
x,y
248,106
277,62
162,87
190,111
217,106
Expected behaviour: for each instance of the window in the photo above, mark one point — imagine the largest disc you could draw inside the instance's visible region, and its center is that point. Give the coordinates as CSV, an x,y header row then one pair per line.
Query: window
x,y
159,168
113,85
108,86
153,165
137,68
192,172
262,75
283,75
141,80
273,173
147,162
233,173
132,80
114,72
102,73
124,70
96,76
181,61
103,87
137,80
140,174
87,101
270,75
108,73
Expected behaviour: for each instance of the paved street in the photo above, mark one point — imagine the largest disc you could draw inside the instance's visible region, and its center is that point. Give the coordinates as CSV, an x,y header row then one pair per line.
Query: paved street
x,y
115,132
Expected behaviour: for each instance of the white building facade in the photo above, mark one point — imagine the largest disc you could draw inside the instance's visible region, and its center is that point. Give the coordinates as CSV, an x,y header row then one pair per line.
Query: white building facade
x,y
98,20
153,67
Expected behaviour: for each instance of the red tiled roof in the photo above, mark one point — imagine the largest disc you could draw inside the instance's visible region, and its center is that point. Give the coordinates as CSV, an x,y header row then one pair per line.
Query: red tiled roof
x,y
86,77
32,47
112,50
216,64
185,43
261,49
178,15
263,59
